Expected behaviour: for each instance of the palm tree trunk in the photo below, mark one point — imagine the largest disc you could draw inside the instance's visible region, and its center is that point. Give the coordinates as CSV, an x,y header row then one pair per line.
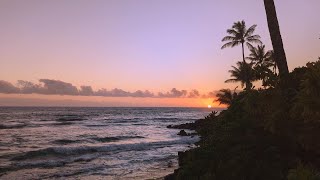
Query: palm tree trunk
x,y
276,39
248,86
248,83
243,53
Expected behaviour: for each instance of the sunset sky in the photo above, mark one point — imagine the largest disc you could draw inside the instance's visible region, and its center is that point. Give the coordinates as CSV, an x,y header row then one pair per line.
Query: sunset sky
x,y
136,52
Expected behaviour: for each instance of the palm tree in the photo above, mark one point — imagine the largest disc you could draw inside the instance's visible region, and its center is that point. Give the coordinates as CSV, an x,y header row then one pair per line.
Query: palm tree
x,y
244,74
225,96
276,39
265,74
239,34
262,61
260,58
258,55
272,62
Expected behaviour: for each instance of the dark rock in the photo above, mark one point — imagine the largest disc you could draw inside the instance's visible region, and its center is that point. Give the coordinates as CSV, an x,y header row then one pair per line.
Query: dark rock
x,y
183,133
185,157
190,126
170,177
182,157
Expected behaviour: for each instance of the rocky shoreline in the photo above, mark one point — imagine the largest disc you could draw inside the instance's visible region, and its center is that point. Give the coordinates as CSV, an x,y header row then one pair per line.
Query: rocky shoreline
x,y
196,126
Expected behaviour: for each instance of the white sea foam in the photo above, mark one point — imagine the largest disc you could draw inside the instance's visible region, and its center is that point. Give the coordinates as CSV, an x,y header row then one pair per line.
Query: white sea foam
x,y
68,142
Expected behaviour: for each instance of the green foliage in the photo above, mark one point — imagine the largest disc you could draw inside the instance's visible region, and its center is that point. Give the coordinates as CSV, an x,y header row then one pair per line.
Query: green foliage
x,y
233,148
238,35
259,55
243,73
308,98
303,173
306,107
260,68
226,96
264,134
263,60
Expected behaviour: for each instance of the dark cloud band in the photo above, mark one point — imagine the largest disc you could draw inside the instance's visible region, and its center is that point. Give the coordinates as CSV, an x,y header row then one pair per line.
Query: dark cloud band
x,y
57,87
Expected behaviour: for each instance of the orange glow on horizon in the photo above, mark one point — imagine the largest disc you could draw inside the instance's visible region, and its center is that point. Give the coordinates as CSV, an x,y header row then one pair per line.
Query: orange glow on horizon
x,y
57,100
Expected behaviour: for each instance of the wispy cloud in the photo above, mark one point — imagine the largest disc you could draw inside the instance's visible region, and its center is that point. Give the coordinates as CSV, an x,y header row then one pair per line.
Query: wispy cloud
x,y
57,87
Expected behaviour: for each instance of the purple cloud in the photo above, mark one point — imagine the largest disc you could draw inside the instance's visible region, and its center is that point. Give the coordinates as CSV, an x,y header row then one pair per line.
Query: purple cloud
x,y
8,88
57,87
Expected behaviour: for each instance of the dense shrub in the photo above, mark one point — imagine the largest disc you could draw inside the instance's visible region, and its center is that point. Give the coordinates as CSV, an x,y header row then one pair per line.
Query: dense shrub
x,y
264,134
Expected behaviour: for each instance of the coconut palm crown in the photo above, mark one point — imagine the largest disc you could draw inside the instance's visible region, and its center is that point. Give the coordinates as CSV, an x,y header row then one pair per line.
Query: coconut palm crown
x,y
263,60
259,55
226,96
243,73
239,35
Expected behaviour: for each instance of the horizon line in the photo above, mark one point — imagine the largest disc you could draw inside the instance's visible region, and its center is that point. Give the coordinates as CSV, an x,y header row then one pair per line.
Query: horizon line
x,y
204,107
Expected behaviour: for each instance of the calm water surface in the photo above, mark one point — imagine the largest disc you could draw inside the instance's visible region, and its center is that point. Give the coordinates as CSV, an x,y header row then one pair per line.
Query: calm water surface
x,y
92,143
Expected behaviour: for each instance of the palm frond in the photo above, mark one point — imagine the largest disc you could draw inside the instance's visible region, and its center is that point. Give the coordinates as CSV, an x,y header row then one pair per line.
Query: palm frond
x,y
232,32
236,43
250,46
251,58
229,44
253,37
269,56
250,31
254,40
225,96
229,38
231,80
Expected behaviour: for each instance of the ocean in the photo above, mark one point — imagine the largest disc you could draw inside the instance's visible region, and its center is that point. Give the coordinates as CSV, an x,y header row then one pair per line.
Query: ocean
x,y
92,143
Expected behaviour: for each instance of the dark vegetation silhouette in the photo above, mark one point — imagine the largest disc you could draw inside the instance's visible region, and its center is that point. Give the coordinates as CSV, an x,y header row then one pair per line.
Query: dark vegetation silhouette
x,y
226,96
243,73
239,35
266,133
270,133
264,65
